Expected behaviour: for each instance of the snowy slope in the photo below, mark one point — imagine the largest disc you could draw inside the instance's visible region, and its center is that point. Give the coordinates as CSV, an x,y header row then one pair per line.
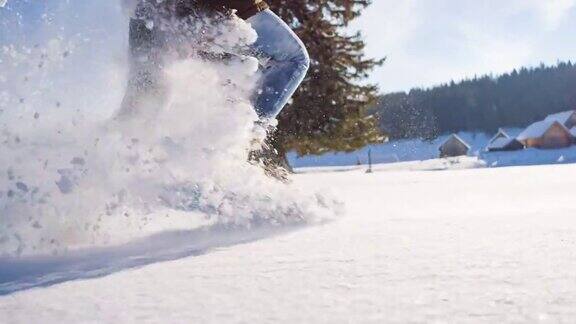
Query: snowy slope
x,y
162,220
530,156
396,151
480,245
456,163
423,155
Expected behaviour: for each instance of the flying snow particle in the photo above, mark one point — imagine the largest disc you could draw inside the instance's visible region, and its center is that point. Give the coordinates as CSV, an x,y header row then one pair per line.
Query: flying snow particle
x,y
22,186
65,185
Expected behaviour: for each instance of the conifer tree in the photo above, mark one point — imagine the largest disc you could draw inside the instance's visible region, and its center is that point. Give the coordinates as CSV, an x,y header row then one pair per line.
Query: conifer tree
x,y
328,111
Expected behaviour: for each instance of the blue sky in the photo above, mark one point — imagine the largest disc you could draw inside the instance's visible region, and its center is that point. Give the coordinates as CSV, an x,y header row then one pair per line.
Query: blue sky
x,y
428,42
431,42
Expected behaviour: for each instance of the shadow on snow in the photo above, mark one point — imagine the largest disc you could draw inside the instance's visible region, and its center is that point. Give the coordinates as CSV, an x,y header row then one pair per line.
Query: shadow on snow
x,y
18,274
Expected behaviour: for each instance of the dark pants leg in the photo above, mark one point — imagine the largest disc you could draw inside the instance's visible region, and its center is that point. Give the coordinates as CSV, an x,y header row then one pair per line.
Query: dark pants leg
x,y
146,88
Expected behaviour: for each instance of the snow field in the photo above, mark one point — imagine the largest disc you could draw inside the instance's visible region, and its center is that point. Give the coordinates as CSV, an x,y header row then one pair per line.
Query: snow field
x,y
477,246
396,151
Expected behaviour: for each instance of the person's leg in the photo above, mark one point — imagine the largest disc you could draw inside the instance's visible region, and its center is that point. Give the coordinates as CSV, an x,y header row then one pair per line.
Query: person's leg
x,y
145,89
287,65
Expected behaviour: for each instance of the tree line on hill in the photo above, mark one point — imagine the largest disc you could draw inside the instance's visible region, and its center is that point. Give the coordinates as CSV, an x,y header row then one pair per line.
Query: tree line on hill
x,y
486,103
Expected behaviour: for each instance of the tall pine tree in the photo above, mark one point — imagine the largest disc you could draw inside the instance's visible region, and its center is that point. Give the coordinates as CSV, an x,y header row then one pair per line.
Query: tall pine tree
x,y
328,111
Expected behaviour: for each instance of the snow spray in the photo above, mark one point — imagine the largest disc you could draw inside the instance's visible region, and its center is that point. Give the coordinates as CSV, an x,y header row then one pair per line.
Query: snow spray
x,y
71,177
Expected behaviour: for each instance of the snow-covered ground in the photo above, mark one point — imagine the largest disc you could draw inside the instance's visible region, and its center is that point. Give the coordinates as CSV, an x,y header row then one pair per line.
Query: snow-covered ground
x,y
423,155
159,219
530,156
456,163
391,152
475,245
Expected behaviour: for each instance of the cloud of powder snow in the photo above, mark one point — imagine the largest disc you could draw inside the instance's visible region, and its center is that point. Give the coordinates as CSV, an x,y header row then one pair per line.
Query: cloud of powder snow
x,y
71,178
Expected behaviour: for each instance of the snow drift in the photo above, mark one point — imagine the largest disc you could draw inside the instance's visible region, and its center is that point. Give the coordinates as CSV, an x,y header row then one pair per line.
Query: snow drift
x,y
72,178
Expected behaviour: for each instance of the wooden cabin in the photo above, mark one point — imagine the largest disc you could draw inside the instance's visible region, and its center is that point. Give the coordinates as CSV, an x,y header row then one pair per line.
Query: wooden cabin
x,y
547,134
502,141
454,146
566,118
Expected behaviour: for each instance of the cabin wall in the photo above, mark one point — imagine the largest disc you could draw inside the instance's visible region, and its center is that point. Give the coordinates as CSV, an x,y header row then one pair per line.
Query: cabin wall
x,y
556,142
453,150
556,137
553,138
532,142
513,146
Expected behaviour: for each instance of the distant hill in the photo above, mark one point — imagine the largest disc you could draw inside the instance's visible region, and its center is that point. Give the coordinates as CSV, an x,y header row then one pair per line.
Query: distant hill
x,y
484,104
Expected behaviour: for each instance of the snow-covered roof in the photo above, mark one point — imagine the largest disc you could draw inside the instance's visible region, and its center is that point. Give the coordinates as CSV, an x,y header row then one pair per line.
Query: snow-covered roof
x,y
500,135
512,132
500,143
561,117
457,138
504,133
573,131
538,129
